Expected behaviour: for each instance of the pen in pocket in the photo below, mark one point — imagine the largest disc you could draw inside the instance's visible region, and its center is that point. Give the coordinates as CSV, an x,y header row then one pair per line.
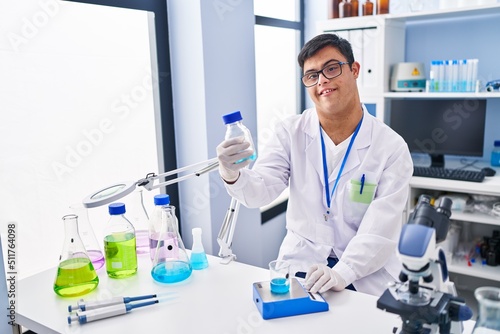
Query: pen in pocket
x,y
362,184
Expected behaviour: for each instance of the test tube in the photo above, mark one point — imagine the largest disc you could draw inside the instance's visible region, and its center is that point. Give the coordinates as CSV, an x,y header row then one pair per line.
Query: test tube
x,y
433,76
463,75
454,75
448,75
475,86
441,76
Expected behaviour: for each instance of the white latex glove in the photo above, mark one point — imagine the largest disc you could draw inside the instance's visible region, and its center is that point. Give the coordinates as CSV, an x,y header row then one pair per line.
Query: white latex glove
x,y
230,151
320,278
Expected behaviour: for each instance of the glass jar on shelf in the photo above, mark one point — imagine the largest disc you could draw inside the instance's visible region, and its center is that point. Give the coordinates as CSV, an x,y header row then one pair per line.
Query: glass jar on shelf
x,y
382,6
367,8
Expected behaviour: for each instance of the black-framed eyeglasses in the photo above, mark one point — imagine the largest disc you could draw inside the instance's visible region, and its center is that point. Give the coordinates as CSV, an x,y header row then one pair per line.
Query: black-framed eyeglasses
x,y
330,71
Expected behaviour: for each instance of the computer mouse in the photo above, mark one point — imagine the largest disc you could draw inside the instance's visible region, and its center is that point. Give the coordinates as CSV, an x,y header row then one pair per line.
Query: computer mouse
x,y
488,171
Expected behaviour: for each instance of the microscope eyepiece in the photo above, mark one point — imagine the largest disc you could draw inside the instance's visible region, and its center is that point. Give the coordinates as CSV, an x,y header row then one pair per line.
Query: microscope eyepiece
x,y
444,206
423,199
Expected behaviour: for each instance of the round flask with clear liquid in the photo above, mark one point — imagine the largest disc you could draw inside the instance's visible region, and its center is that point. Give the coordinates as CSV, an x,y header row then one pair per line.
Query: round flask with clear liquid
x,y
76,275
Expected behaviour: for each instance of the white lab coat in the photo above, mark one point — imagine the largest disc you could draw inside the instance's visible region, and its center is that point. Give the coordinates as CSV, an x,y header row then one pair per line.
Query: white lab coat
x,y
363,236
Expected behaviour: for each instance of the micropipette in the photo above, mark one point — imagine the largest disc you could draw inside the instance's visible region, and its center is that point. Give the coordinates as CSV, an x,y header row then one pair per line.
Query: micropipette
x,y
91,305
107,312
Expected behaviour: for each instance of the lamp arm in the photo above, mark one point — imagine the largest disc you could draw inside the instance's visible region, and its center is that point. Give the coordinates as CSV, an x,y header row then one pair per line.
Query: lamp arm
x,y
225,237
149,180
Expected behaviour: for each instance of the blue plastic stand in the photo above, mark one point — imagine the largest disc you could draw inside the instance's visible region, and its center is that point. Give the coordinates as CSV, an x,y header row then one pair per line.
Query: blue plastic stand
x,y
294,302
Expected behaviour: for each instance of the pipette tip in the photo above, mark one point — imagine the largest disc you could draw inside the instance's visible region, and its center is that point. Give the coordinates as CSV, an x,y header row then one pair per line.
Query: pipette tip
x,y
72,318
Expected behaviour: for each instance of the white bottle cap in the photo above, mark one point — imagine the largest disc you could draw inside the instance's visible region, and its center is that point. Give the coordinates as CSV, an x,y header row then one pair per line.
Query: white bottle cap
x,y
196,231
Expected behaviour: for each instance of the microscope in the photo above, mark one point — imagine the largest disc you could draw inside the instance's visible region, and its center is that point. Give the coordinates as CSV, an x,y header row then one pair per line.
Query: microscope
x,y
425,299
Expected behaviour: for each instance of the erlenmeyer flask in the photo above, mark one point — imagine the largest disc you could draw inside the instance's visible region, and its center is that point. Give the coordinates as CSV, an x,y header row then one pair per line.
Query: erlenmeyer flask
x,y
170,263
138,216
76,275
87,235
488,321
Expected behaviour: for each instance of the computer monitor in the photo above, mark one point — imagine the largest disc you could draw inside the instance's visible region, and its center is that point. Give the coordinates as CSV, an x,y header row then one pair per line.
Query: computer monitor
x,y
440,127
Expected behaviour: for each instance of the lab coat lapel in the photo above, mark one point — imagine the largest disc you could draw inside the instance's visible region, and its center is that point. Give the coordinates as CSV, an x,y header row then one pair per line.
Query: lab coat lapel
x,y
313,147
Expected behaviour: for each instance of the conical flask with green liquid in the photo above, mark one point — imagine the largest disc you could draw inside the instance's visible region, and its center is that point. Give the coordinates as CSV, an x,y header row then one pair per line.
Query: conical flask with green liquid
x,y
76,275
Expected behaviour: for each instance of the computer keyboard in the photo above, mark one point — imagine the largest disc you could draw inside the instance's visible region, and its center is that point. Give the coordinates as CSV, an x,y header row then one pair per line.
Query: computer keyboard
x,y
448,173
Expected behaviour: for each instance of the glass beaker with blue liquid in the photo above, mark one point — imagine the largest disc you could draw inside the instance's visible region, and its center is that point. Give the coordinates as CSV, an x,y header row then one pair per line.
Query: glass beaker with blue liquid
x,y
280,276
170,262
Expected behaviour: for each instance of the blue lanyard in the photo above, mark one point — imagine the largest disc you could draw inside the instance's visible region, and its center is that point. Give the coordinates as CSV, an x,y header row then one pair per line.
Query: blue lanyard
x,y
325,167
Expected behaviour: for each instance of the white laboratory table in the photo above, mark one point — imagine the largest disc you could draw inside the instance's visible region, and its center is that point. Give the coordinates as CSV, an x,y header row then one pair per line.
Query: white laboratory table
x,y
214,300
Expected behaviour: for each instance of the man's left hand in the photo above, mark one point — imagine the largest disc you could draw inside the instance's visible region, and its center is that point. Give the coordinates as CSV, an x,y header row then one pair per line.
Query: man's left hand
x,y
320,278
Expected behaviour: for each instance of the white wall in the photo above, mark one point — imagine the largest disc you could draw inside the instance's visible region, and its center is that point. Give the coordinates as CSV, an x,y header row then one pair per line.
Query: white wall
x,y
213,72
76,114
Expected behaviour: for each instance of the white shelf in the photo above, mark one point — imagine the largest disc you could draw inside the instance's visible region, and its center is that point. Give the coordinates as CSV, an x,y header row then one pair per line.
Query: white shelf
x,y
415,17
422,95
490,185
475,217
441,14
476,270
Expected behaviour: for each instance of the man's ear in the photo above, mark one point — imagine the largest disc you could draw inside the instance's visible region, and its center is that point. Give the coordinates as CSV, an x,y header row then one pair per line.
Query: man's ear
x,y
356,67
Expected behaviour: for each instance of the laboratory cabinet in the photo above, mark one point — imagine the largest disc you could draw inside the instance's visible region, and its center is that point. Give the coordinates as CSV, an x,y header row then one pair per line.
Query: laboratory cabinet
x,y
380,41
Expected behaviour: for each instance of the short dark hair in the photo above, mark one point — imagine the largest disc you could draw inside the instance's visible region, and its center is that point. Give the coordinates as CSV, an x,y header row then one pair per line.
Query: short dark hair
x,y
321,41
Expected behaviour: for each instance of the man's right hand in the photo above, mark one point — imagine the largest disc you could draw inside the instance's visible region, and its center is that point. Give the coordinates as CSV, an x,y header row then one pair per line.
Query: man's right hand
x,y
230,151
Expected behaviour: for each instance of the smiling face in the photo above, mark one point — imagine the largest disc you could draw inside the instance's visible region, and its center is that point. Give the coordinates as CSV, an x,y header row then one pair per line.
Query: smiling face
x,y
337,97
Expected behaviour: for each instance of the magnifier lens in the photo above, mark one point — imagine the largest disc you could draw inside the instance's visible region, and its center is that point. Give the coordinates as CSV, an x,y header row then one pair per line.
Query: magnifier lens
x,y
109,194
104,193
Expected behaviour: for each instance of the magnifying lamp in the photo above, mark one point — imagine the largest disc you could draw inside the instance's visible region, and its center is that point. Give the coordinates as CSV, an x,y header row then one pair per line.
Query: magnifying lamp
x,y
151,181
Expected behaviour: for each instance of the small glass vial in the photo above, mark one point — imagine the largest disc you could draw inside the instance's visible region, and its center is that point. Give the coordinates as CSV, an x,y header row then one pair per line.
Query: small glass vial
x,y
76,275
198,256
235,128
367,8
495,154
119,244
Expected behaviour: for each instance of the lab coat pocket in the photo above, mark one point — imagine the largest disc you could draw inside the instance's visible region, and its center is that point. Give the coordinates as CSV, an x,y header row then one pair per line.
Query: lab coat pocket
x,y
357,198
361,192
